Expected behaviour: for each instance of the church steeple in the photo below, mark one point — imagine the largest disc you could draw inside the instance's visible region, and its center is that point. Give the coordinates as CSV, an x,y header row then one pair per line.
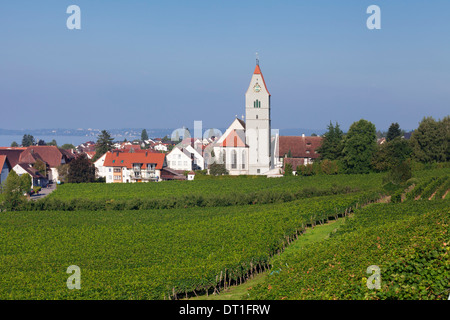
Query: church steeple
x,y
257,116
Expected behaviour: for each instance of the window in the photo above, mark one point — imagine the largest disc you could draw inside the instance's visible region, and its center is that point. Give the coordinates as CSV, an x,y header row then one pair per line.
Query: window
x,y
117,170
256,104
224,156
233,159
258,170
243,159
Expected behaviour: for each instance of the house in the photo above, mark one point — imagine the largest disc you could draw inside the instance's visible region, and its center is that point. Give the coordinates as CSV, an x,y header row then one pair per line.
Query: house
x,y
52,156
100,169
37,179
180,159
133,166
12,153
5,168
198,162
160,147
301,148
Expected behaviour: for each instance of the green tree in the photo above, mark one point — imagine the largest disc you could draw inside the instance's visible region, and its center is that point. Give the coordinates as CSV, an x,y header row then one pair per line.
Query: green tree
x,y
332,143
13,192
52,143
103,145
28,140
144,135
14,144
81,170
25,183
430,141
41,166
63,172
393,132
288,170
67,146
217,169
359,146
391,154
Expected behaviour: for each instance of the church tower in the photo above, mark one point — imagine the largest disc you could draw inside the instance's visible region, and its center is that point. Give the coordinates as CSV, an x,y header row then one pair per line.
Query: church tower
x,y
257,124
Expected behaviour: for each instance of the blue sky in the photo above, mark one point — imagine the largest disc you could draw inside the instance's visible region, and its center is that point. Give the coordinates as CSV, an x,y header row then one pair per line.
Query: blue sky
x,y
164,64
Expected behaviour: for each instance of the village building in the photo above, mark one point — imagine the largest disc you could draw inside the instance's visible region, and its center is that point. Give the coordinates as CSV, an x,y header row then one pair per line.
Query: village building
x,y
52,156
5,168
122,167
180,159
247,147
298,150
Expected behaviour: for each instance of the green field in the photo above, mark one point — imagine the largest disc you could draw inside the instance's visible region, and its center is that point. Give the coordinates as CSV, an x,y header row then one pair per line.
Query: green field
x,y
192,250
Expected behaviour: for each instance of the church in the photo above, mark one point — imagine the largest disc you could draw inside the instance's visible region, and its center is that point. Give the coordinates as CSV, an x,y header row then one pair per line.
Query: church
x,y
247,147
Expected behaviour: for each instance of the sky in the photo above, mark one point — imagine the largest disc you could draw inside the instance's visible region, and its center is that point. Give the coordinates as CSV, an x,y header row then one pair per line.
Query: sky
x,y
166,64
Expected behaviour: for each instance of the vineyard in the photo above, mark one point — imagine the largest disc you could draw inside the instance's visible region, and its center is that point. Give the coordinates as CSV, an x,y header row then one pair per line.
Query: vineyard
x,y
408,241
190,249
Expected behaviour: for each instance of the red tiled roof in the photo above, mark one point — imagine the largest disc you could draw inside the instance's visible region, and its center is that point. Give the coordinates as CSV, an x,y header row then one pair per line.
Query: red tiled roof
x,y
49,154
3,159
125,159
258,71
295,162
299,146
12,153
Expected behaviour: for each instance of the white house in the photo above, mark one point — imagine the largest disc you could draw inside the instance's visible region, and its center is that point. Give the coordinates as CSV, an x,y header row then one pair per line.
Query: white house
x,y
123,167
100,168
37,179
179,159
160,147
198,162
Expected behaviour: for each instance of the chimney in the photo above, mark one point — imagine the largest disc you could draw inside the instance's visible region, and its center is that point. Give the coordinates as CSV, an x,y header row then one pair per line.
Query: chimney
x,y
303,135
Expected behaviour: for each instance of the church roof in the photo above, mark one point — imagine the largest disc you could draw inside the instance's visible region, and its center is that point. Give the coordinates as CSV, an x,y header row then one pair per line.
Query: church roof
x,y
258,71
234,139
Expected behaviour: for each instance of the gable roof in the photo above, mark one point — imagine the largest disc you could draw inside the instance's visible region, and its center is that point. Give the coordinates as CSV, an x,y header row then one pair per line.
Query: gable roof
x,y
234,139
299,146
35,174
49,154
125,159
12,153
3,161
258,71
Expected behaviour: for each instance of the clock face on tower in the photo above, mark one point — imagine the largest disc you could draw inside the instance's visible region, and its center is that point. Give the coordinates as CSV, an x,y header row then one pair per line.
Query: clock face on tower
x,y
257,87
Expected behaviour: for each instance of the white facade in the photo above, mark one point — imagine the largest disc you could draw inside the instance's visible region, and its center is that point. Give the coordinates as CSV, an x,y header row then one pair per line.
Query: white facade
x,y
100,171
127,175
179,160
198,161
257,121
160,147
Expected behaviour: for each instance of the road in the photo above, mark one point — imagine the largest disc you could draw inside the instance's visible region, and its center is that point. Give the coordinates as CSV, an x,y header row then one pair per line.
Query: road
x,y
44,192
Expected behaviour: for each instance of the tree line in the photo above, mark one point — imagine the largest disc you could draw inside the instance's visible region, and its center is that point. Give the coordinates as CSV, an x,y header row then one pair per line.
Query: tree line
x,y
357,151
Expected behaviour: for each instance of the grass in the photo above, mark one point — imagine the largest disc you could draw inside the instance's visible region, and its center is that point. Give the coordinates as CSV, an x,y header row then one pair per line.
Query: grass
x,y
312,235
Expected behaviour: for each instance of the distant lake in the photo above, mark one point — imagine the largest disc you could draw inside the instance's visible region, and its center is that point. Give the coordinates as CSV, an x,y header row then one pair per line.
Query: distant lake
x,y
6,140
